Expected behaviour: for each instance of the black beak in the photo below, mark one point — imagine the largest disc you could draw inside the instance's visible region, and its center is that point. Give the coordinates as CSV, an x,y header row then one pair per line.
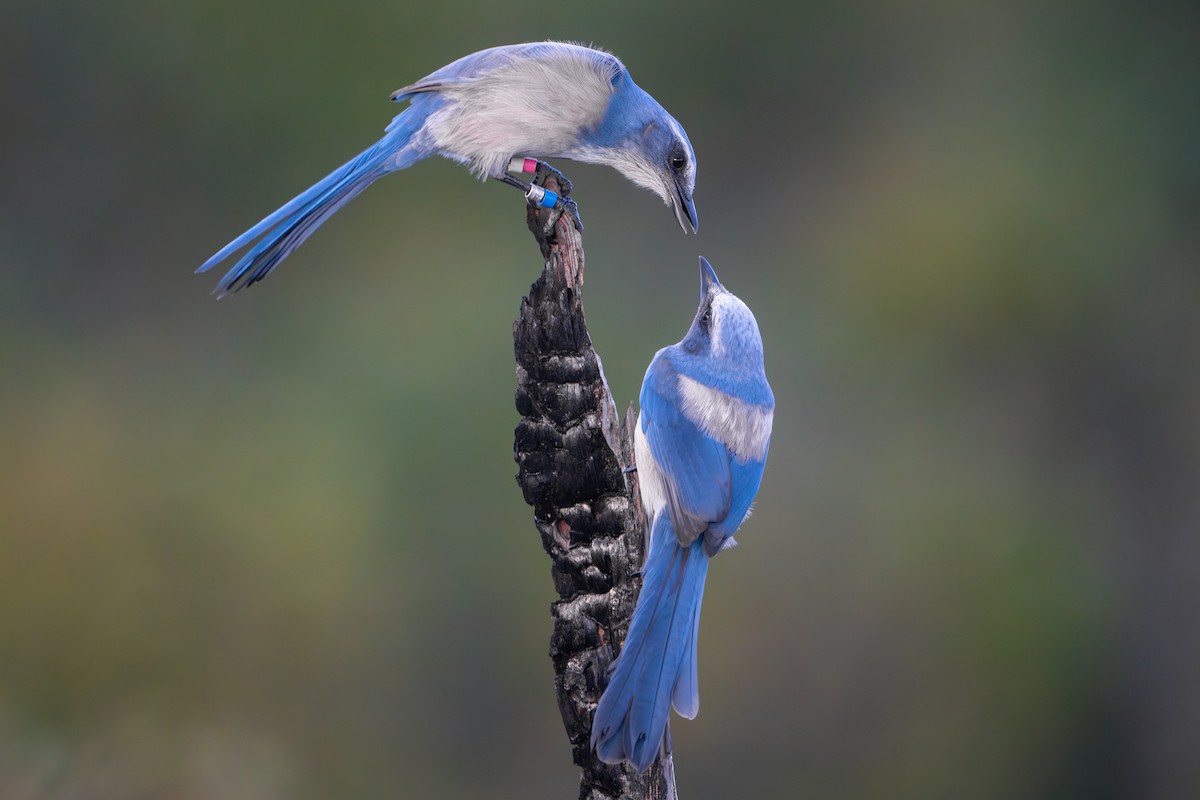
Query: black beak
x,y
708,278
685,210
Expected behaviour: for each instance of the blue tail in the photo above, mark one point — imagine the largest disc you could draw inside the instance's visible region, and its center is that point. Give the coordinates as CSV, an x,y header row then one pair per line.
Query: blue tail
x,y
657,667
287,228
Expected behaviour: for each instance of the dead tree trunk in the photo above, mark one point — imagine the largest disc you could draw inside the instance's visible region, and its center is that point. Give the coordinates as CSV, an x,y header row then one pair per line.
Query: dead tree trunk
x,y
572,452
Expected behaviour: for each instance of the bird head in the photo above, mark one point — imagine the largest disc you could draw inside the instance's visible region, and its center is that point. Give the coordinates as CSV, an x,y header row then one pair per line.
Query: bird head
x,y
724,328
670,148
652,150
672,166
637,137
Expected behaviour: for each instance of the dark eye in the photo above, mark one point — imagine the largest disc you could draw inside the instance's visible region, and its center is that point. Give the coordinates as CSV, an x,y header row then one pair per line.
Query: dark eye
x,y
678,162
706,317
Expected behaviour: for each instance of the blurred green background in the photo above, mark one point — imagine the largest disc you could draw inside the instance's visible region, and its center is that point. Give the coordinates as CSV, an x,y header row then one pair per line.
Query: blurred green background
x,y
271,547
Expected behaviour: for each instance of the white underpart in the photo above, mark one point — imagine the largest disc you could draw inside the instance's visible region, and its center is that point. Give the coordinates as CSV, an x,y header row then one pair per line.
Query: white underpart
x,y
743,427
629,163
650,477
527,107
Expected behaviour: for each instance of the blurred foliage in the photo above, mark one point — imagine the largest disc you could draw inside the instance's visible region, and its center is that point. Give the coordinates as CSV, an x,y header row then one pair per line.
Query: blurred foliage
x,y
271,547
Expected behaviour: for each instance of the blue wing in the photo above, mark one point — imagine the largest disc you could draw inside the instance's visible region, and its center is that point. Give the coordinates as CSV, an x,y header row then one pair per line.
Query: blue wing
x,y
744,479
695,468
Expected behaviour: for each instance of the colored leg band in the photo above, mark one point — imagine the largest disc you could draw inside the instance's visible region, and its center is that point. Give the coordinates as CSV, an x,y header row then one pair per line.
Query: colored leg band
x,y
541,197
519,164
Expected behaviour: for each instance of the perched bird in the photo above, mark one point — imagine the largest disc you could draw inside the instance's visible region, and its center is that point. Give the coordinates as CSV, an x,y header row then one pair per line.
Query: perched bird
x,y
700,446
486,110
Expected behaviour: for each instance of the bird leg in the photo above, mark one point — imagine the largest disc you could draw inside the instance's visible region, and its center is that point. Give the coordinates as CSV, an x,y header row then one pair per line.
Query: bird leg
x,y
536,194
668,765
544,171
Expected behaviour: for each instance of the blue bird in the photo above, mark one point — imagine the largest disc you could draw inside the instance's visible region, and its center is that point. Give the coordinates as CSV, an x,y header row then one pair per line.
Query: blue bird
x,y
700,446
486,110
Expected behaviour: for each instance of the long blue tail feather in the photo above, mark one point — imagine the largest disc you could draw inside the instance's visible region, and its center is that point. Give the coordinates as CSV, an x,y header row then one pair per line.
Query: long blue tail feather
x,y
657,667
277,235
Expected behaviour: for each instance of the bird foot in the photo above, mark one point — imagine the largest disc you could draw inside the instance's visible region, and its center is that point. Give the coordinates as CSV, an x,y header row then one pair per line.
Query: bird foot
x,y
539,196
568,206
536,193
546,198
565,204
544,171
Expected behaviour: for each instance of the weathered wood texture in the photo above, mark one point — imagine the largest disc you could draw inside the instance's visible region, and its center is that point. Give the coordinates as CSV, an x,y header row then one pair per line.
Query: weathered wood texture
x,y
573,451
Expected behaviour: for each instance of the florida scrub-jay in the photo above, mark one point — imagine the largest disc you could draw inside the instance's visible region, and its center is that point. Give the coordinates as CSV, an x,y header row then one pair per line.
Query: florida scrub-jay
x,y
544,99
700,445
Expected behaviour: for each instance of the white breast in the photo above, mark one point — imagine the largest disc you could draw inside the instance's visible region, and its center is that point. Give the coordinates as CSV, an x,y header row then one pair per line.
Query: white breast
x,y
743,427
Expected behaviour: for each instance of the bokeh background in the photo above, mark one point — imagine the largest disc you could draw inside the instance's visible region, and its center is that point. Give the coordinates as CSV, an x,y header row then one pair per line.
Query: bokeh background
x,y
271,547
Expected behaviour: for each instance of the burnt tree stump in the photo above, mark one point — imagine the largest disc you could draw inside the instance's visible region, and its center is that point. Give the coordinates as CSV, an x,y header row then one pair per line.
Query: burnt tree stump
x,y
573,452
